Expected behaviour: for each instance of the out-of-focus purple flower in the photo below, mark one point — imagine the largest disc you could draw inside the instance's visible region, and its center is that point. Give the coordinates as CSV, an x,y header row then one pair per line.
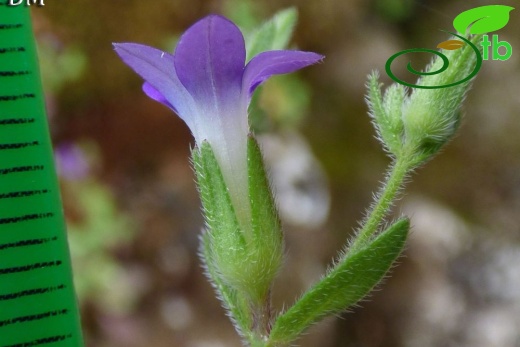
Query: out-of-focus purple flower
x,y
207,83
71,162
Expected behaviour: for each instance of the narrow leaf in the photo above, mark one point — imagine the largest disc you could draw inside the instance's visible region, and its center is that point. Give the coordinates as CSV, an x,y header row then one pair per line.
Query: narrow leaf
x,y
285,21
260,40
274,34
347,283
483,19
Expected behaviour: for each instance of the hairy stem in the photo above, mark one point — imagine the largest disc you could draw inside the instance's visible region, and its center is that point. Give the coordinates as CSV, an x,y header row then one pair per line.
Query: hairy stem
x,y
261,328
393,183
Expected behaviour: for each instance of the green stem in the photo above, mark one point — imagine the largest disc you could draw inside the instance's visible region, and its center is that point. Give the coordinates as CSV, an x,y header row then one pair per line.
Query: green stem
x,y
261,323
394,182
306,310
258,343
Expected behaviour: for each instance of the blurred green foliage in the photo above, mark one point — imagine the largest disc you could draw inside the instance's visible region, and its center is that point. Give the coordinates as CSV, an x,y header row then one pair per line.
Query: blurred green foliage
x,y
59,64
97,228
395,10
93,238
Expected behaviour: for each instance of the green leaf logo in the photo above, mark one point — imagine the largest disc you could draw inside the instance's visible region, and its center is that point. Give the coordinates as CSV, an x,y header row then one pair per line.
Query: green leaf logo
x,y
483,19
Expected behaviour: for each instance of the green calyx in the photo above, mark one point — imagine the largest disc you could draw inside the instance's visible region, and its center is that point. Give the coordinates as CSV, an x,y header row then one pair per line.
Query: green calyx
x,y
241,261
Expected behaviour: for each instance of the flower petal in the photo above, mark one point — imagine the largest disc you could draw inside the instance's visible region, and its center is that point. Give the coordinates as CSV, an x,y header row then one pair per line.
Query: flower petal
x,y
266,64
158,69
209,60
154,94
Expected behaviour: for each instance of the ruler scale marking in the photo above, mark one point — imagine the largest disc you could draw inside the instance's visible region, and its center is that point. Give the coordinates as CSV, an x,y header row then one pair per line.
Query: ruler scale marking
x,y
25,218
42,341
23,193
33,317
11,26
27,243
20,169
34,257
30,267
17,121
31,292
17,97
13,73
4,50
19,145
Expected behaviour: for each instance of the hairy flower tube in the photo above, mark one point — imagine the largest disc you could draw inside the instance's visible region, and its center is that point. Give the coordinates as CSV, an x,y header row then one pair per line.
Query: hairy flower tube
x,y
209,85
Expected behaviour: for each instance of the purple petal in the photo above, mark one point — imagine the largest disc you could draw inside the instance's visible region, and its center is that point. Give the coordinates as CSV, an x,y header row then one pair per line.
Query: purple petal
x,y
157,68
266,64
209,60
154,94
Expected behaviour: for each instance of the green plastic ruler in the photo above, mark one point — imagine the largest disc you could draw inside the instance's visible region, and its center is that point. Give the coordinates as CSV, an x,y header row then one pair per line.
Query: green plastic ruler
x,y
37,302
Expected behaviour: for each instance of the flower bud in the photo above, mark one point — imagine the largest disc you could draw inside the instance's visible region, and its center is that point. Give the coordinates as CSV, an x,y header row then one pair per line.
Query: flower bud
x,y
431,114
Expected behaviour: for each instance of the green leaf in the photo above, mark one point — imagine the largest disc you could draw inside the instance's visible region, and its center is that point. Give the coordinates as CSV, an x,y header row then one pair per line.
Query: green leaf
x,y
285,22
260,40
347,283
483,19
273,34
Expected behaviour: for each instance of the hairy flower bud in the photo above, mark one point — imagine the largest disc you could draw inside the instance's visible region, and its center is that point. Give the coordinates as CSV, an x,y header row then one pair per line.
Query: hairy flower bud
x,y
431,116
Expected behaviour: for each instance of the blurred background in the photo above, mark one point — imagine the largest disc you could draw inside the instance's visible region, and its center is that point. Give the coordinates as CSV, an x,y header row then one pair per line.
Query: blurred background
x,y
134,216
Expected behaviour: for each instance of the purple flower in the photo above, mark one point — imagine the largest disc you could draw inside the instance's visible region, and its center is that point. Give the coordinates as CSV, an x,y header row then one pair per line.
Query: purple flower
x,y
207,83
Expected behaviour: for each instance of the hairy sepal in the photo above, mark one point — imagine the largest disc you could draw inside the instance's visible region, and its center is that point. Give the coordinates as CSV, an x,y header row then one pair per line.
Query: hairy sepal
x,y
386,113
267,236
247,257
237,306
